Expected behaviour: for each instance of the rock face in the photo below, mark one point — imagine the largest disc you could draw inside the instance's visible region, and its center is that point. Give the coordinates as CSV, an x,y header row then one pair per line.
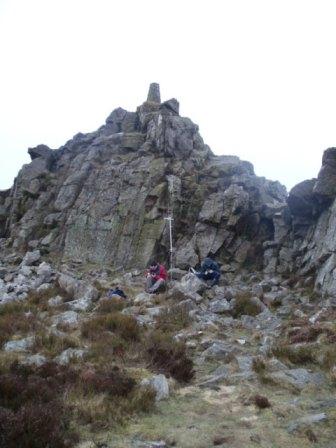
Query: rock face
x,y
103,196
312,235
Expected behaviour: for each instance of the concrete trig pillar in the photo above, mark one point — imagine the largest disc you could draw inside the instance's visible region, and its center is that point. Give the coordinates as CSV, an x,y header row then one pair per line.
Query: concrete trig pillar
x,y
154,93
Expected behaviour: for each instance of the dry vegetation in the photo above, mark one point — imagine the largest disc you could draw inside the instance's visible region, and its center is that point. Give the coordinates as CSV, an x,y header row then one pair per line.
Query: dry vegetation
x,y
51,344
168,356
110,305
244,305
33,413
173,319
300,355
303,343
40,406
261,402
16,318
122,325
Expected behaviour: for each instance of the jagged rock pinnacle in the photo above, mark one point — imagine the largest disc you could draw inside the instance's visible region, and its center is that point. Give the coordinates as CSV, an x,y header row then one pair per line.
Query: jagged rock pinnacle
x,y
154,93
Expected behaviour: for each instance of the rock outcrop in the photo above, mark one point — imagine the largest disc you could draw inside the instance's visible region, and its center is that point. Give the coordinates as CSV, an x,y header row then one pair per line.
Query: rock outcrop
x,y
313,208
103,196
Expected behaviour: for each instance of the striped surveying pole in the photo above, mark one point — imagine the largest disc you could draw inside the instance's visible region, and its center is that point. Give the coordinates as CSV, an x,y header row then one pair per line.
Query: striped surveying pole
x,y
171,250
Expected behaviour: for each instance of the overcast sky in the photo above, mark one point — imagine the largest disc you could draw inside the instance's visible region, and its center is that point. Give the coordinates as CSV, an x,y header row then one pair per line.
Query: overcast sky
x,y
258,77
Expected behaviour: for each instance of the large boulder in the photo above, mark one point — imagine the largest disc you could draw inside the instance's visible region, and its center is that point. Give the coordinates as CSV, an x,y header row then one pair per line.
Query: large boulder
x,y
68,318
160,385
31,258
325,187
301,199
19,345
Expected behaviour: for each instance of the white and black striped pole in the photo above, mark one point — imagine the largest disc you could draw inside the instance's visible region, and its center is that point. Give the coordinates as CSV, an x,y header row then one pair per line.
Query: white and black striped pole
x,y
170,223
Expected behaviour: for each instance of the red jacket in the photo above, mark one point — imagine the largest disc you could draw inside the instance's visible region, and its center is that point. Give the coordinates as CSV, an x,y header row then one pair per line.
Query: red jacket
x,y
162,273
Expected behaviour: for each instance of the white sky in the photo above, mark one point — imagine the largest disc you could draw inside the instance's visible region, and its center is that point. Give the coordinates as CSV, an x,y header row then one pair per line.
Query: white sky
x,y
257,76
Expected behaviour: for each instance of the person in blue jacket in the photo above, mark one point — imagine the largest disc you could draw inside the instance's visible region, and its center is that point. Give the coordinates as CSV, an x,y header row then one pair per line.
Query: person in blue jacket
x,y
209,271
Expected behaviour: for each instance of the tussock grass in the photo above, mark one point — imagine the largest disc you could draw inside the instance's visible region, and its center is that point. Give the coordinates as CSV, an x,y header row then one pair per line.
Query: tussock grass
x,y
305,334
14,307
112,305
173,319
107,349
169,357
41,298
296,355
101,412
258,365
244,305
14,320
124,326
327,357
101,289
52,345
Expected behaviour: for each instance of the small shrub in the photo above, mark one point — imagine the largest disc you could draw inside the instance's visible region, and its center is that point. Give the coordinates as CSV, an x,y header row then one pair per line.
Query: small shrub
x,y
125,326
261,402
18,388
311,436
92,328
14,307
97,411
142,399
41,297
307,334
258,365
244,305
101,411
296,355
56,375
35,426
331,338
110,305
32,414
327,357
107,349
298,322
220,440
112,381
53,344
173,319
101,289
169,357
18,322
11,391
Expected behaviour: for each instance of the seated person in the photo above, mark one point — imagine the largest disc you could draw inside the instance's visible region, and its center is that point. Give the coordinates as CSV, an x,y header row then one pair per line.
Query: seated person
x,y
209,271
156,277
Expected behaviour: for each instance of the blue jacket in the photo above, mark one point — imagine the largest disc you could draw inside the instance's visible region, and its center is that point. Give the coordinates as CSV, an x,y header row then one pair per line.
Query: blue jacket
x,y
209,265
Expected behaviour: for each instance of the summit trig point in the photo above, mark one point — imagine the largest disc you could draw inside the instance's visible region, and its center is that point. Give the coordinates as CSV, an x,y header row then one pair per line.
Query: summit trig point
x,y
154,93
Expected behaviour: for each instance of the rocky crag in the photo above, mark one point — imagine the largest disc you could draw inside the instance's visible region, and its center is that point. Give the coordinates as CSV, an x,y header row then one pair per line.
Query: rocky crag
x,y
103,196
251,362
312,234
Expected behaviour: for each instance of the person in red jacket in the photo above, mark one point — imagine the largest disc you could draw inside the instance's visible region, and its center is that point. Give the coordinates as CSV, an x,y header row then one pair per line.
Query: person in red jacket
x,y
156,277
